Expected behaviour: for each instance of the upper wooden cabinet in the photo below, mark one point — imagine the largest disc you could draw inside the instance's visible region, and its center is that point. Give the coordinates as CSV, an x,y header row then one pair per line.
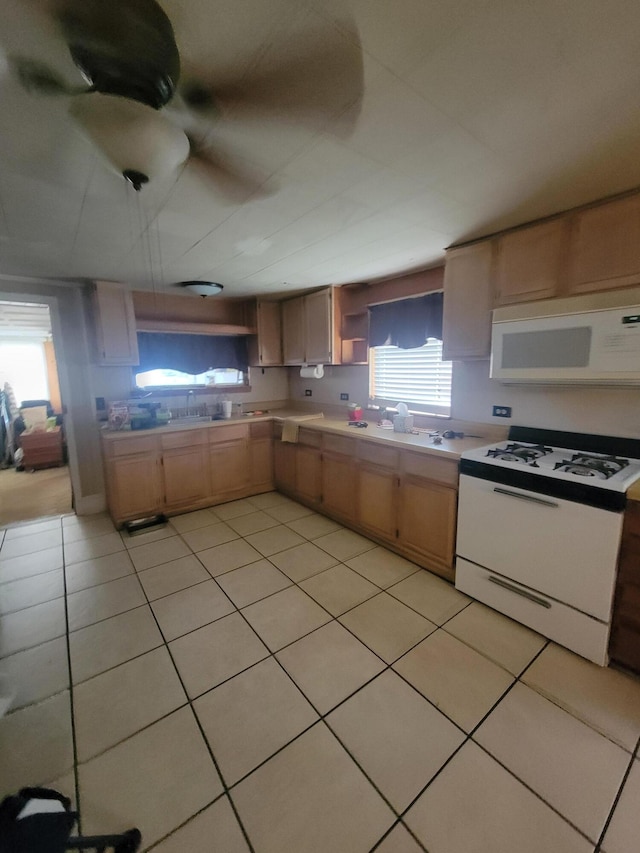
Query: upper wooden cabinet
x,y
318,327
117,342
604,248
309,329
529,262
293,331
265,348
468,300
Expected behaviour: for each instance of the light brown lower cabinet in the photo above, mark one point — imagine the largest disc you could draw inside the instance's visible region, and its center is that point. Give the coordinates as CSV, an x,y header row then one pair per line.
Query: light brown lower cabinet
x,y
134,485
407,501
377,499
427,521
339,478
180,471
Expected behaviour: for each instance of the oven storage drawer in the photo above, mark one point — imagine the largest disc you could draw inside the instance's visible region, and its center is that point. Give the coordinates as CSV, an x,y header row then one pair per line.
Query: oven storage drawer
x,y
566,550
585,636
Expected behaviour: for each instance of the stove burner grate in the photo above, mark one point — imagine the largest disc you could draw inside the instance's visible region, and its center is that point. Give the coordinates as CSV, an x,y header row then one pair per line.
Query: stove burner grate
x,y
525,454
587,465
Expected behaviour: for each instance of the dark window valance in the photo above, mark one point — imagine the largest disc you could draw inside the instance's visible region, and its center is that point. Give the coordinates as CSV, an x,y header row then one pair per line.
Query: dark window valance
x,y
191,354
406,323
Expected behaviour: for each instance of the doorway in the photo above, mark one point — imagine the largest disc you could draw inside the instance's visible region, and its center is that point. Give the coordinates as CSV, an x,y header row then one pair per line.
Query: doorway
x,y
34,473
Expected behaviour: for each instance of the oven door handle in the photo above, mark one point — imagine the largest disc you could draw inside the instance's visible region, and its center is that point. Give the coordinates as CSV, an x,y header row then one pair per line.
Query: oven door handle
x,y
511,494
523,592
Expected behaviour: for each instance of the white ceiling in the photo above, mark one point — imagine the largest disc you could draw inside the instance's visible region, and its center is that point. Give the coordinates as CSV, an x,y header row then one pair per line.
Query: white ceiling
x,y
476,115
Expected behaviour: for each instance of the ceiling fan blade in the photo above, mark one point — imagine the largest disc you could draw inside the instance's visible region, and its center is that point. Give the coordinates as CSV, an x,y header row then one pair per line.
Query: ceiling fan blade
x,y
236,182
317,79
38,78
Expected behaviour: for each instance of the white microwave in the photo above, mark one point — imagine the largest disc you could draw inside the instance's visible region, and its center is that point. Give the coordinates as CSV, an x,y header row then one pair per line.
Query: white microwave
x,y
593,339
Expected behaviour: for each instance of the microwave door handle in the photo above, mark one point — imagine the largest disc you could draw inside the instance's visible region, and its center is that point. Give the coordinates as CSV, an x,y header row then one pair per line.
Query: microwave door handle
x,y
530,498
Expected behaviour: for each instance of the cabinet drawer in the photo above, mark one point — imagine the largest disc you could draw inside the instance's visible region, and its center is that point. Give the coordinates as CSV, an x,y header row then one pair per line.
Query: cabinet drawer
x,y
337,444
439,470
128,446
263,429
228,433
566,626
183,439
386,457
309,437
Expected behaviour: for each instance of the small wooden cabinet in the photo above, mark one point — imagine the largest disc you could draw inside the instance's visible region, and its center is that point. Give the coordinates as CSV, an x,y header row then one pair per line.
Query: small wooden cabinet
x,y
115,325
293,331
184,468
42,449
468,301
309,329
308,480
604,248
530,262
229,460
339,476
134,478
261,456
265,348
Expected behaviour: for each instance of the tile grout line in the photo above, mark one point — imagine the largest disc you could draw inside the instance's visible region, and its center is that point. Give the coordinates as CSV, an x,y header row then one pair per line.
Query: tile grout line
x,y
71,692
195,717
616,800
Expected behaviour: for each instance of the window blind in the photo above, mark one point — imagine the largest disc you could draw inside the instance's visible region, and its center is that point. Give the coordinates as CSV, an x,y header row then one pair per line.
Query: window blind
x,y
418,377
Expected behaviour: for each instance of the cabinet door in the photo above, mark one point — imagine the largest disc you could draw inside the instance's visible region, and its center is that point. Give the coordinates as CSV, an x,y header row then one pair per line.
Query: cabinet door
x,y
377,499
427,521
115,321
339,485
134,486
261,462
468,300
308,473
229,466
529,262
604,249
185,474
293,348
318,327
284,459
269,333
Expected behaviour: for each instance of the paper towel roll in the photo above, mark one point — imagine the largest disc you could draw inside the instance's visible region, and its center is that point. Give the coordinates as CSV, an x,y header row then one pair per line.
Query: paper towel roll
x,y
312,371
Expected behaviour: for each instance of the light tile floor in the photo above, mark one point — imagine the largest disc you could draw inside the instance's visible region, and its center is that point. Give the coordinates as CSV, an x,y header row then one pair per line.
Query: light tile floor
x,y
254,677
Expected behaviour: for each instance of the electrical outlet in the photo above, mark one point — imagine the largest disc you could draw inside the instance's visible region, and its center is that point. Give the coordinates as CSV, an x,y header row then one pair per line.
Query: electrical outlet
x,y
308,392
501,412
344,396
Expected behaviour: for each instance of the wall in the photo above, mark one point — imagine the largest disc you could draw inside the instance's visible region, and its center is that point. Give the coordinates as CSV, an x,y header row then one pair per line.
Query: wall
x,y
612,411
351,379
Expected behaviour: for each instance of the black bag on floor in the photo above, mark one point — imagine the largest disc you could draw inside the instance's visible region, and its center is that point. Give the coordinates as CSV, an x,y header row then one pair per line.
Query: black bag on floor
x,y
36,820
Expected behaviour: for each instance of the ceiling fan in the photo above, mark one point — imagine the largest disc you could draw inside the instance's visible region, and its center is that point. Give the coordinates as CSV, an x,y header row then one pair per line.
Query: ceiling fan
x,y
133,102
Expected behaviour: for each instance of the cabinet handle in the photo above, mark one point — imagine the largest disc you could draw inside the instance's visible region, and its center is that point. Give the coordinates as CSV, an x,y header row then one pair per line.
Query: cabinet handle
x,y
511,494
523,592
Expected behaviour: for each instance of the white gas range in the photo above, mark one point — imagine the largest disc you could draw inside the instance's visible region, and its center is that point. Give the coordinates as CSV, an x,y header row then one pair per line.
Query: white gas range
x,y
539,527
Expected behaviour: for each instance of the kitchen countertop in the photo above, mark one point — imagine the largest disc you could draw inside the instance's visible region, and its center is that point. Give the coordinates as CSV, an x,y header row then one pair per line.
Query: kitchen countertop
x,y
451,448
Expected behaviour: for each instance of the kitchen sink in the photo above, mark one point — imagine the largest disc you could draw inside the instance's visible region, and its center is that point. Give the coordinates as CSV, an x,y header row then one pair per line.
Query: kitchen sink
x,y
192,419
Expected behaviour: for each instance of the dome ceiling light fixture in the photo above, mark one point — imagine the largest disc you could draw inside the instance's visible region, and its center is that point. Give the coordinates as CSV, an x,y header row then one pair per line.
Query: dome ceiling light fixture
x,y
202,288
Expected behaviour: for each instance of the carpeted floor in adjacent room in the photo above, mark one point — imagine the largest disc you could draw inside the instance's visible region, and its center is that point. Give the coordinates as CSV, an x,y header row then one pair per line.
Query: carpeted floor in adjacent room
x,y
25,495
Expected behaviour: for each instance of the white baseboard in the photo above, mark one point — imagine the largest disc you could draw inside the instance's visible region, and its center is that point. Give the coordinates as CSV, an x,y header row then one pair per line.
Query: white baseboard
x,y
90,504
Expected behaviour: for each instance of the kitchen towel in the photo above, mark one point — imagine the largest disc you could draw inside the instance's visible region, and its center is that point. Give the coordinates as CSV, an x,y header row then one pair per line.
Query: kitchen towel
x,y
290,426
311,371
